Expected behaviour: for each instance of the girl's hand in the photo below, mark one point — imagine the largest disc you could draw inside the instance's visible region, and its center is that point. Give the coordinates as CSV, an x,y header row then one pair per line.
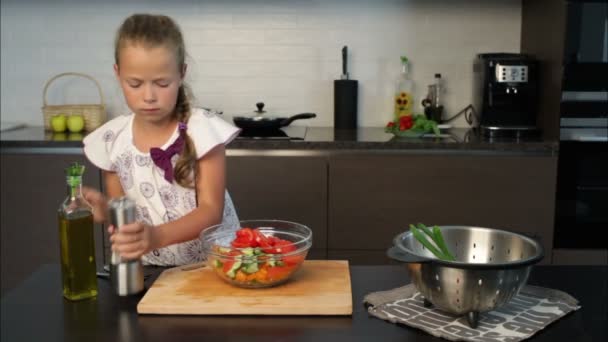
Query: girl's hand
x,y
98,201
132,240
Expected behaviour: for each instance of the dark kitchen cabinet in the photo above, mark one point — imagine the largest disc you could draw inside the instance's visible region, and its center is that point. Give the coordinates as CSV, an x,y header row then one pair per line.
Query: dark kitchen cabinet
x,y
33,186
291,188
360,257
373,197
568,37
542,35
564,256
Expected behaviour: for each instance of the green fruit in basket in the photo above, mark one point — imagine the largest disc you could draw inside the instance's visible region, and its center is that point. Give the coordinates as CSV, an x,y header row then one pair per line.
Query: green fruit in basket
x,y
75,137
75,123
58,123
59,136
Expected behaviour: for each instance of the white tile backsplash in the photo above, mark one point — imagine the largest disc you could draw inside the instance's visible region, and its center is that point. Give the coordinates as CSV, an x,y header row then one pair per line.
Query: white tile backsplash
x,y
228,37
208,21
258,20
285,53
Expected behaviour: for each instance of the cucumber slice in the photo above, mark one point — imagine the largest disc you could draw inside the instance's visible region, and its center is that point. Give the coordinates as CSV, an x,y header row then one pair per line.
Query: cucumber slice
x,y
232,271
250,268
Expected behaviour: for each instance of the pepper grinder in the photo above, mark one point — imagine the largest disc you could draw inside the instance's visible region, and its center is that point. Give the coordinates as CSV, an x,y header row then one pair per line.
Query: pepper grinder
x,y
345,98
127,275
433,108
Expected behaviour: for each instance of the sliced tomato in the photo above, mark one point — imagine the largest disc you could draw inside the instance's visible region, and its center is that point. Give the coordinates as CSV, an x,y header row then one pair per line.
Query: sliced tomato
x,y
269,250
293,260
229,260
246,235
283,246
272,240
279,272
239,243
227,265
244,232
261,239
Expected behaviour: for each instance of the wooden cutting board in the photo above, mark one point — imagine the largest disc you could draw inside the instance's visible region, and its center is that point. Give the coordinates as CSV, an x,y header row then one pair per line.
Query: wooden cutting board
x,y
320,287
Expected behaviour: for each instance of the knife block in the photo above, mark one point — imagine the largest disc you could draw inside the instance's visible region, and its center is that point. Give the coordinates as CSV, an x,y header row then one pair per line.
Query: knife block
x,y
345,104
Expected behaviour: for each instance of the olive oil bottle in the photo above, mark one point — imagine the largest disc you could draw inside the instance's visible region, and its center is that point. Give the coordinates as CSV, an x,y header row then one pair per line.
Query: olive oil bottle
x,y
78,270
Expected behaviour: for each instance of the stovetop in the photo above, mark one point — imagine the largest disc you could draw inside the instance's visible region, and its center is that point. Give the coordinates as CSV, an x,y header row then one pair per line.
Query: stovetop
x,y
285,133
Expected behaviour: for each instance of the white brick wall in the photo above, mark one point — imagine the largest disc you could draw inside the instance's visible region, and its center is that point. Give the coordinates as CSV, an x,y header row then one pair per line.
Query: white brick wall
x,y
283,52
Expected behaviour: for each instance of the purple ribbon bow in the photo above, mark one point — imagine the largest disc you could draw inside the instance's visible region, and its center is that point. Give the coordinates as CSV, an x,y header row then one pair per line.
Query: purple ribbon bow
x,y
162,158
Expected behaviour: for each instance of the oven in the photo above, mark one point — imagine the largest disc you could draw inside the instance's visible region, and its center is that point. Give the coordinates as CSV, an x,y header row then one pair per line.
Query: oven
x,y
582,195
581,211
582,178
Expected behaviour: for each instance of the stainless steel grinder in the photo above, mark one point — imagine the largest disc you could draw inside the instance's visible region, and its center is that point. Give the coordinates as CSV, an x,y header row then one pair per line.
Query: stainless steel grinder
x,y
127,275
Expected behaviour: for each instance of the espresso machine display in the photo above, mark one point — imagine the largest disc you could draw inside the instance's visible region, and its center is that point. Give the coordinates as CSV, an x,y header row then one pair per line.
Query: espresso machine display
x,y
506,92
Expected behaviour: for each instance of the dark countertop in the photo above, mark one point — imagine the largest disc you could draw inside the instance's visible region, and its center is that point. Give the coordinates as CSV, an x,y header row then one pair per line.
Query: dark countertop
x,y
319,139
36,311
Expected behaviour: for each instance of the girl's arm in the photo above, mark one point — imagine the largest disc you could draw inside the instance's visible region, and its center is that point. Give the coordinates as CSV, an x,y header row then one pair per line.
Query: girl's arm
x,y
210,189
113,187
98,201
134,240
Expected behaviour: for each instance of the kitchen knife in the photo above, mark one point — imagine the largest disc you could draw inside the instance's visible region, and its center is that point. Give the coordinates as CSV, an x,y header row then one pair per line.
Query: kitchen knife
x,y
344,75
345,99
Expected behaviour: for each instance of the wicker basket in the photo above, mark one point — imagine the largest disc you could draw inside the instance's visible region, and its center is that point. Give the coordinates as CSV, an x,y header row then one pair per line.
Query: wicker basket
x,y
94,114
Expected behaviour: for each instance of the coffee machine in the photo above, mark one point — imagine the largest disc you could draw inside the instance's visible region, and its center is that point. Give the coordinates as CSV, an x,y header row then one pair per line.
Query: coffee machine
x,y
506,93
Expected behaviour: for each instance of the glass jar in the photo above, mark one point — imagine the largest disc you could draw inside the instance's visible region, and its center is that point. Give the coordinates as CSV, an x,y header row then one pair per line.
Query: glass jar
x,y
403,99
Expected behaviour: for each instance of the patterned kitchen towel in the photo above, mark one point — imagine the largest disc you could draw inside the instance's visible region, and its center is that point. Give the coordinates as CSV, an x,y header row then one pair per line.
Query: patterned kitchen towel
x,y
524,315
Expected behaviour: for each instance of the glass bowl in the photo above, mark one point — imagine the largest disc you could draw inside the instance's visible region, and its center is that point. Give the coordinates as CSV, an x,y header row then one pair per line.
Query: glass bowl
x,y
270,261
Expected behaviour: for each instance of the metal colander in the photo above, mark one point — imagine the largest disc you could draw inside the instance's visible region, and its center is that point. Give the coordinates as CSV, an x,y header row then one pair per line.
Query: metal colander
x,y
491,267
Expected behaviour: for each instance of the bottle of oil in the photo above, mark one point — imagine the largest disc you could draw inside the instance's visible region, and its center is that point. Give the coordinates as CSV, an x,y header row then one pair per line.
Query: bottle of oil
x,y
77,244
404,101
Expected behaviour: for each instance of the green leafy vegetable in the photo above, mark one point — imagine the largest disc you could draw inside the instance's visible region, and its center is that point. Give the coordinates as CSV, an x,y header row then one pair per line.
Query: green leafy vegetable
x,y
412,126
75,169
74,174
436,245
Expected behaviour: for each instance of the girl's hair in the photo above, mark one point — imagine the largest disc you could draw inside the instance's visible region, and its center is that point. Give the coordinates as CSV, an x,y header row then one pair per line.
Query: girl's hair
x,y
154,31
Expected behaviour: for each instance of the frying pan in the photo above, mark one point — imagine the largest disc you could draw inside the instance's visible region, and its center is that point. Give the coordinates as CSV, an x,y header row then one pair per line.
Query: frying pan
x,y
262,122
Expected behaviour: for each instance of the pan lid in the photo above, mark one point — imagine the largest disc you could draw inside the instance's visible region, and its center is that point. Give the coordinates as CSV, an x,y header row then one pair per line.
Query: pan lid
x,y
260,114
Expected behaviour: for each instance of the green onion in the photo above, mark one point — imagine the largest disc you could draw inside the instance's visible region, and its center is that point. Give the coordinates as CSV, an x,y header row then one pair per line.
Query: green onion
x,y
428,245
441,243
425,230
439,248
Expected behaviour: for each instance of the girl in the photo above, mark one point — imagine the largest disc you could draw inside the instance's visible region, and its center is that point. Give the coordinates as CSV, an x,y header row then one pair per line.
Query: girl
x,y
166,156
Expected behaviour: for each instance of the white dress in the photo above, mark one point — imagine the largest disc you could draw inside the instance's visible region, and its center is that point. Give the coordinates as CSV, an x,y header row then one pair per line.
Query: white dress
x,y
111,148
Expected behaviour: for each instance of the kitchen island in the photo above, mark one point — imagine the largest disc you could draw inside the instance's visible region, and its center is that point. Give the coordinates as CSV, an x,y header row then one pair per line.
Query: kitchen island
x,y
36,311
341,184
